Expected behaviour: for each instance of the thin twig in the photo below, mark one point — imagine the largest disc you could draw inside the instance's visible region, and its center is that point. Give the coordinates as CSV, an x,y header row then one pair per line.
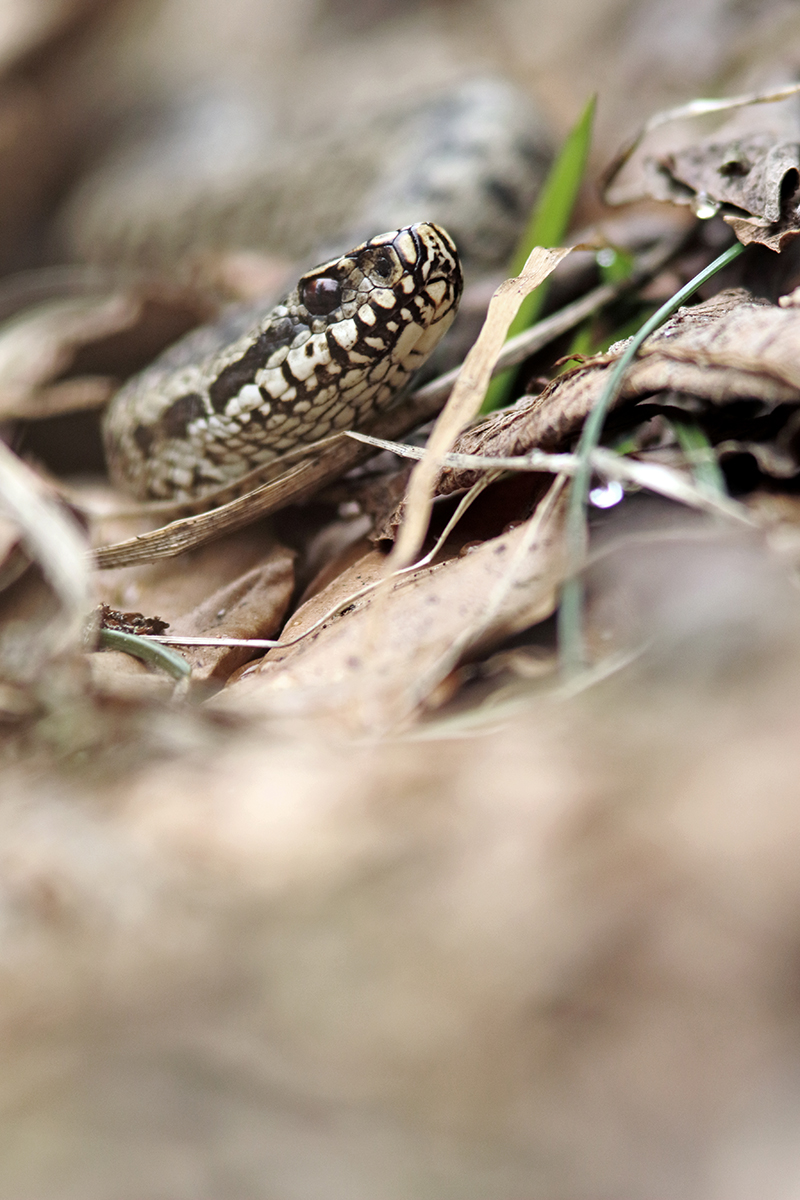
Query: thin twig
x,y
655,477
694,108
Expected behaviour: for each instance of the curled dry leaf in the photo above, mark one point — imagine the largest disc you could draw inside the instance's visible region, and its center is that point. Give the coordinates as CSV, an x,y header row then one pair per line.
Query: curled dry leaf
x,y
752,174
732,347
374,665
238,587
749,168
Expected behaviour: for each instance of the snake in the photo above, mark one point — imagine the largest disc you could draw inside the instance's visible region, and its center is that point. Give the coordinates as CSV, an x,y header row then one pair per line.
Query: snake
x,y
343,345
337,350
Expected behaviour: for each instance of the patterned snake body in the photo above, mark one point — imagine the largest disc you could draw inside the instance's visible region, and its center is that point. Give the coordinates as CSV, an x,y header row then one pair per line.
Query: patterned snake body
x,y
335,351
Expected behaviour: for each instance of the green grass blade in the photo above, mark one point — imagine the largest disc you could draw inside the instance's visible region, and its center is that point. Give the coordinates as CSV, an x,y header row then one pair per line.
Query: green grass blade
x,y
700,456
152,653
572,649
547,227
553,210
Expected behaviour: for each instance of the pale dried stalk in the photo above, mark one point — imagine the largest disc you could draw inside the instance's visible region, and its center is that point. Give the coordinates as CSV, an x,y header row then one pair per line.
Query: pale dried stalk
x,y
654,477
467,396
52,539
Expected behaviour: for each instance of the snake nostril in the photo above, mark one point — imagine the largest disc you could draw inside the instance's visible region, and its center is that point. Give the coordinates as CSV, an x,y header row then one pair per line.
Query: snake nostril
x,y
383,265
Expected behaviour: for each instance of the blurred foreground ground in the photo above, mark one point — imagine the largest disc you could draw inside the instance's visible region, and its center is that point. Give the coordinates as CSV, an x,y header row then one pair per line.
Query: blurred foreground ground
x,y
553,955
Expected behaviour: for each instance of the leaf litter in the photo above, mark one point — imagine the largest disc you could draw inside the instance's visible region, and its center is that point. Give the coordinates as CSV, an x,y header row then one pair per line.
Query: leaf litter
x,y
731,351
54,358
428,620
730,360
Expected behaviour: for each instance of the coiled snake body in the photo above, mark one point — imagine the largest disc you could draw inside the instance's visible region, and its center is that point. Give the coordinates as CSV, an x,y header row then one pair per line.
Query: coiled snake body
x,y
336,350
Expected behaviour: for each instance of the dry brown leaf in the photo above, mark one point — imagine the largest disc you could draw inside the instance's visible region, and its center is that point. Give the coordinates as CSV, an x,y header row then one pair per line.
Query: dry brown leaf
x,y
236,588
251,606
749,172
729,348
752,174
428,620
178,586
774,235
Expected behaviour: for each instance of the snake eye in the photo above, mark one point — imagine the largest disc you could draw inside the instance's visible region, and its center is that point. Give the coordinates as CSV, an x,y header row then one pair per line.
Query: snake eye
x,y
321,295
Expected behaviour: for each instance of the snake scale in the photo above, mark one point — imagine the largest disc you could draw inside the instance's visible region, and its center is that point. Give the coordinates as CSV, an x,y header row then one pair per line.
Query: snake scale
x,y
334,351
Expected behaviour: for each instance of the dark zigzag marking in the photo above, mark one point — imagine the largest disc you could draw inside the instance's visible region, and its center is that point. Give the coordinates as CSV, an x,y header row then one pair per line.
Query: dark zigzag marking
x,y
175,420
233,378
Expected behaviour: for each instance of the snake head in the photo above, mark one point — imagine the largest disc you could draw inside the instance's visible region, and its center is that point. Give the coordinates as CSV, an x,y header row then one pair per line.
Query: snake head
x,y
396,293
333,353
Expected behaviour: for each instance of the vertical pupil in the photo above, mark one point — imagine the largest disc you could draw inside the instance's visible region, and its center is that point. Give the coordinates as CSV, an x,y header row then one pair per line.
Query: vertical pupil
x,y
321,296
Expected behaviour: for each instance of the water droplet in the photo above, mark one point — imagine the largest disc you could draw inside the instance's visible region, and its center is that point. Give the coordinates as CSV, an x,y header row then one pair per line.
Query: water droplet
x,y
608,495
704,207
